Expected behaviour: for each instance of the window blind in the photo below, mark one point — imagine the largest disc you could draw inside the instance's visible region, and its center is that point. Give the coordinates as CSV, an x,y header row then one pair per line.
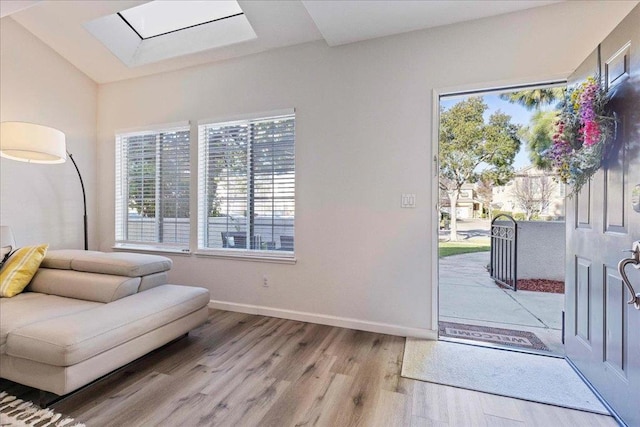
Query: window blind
x,y
152,188
247,185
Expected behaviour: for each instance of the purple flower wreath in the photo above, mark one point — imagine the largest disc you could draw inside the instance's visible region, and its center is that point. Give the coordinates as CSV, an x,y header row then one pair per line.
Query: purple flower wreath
x,y
582,130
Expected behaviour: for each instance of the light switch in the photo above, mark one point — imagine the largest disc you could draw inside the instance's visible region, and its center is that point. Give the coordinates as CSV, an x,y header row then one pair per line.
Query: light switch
x,y
408,201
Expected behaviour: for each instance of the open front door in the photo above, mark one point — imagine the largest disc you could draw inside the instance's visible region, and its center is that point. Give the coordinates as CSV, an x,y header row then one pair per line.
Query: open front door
x,y
602,329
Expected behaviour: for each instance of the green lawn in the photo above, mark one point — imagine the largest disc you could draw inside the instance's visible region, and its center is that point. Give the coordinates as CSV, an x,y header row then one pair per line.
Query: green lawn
x,y
457,248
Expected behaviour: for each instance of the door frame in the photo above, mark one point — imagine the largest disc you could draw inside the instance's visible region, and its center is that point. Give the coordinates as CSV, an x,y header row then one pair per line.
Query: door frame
x,y
467,89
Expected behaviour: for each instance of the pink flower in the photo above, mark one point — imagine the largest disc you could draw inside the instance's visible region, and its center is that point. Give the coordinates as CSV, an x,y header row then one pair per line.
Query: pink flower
x,y
591,133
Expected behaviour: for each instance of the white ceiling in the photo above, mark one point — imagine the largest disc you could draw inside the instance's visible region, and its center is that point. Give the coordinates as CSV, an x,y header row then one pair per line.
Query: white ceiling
x,y
342,22
7,7
277,23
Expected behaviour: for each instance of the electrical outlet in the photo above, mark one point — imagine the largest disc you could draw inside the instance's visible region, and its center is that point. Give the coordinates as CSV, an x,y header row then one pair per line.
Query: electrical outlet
x,y
265,281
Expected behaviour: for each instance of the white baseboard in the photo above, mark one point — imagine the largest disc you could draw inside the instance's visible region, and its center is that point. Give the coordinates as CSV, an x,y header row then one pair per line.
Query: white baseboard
x,y
323,319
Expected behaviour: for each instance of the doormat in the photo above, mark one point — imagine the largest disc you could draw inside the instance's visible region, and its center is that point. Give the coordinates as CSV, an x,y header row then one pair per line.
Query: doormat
x,y
509,337
16,412
532,377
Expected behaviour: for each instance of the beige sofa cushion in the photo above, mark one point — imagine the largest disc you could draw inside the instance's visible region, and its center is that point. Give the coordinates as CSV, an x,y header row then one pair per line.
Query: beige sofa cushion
x,y
116,263
65,379
61,258
65,341
153,280
28,307
86,286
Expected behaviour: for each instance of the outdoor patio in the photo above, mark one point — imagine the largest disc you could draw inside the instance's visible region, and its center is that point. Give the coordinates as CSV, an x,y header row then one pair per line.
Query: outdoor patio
x,y
468,296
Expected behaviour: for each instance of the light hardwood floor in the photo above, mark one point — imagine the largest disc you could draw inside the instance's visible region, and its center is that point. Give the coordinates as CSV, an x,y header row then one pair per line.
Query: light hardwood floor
x,y
244,370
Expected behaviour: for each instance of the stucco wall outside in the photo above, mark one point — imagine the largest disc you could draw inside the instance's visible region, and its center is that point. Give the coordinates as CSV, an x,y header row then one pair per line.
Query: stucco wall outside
x,y
541,248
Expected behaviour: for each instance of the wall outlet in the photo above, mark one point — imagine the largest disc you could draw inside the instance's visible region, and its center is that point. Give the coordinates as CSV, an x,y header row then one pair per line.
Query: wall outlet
x,y
265,281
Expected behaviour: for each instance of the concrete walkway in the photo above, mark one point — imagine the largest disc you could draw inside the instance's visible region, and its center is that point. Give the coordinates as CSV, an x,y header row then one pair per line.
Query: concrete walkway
x,y
468,295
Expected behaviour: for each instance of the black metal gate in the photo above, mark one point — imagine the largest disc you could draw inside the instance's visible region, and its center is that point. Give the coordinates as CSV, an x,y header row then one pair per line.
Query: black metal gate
x,y
504,257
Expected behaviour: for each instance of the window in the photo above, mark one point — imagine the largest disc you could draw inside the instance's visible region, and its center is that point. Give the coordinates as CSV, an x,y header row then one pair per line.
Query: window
x,y
247,186
152,188
157,18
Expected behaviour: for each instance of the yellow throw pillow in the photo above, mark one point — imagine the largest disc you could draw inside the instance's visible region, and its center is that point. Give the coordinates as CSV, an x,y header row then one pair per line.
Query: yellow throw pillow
x,y
17,272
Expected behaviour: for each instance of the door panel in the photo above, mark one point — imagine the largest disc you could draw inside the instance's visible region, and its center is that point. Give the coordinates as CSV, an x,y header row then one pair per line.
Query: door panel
x,y
583,295
615,193
614,317
603,331
583,202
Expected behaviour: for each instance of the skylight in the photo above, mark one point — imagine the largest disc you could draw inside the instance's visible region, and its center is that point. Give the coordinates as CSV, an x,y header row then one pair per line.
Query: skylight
x,y
161,17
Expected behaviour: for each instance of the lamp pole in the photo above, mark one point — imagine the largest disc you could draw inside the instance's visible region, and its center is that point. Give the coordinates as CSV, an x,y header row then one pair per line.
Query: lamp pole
x,y
84,200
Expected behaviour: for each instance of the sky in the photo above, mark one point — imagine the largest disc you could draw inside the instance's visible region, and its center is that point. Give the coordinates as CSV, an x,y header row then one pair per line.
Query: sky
x,y
519,115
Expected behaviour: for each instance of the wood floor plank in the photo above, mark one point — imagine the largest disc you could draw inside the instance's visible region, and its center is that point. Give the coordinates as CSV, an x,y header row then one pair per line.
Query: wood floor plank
x,y
539,415
266,353
245,370
377,373
426,422
111,403
500,406
464,408
301,396
494,421
429,401
391,409
328,402
257,331
303,356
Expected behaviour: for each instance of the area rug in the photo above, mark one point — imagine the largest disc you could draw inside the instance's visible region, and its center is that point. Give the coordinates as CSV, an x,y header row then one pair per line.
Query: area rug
x,y
508,373
508,337
15,412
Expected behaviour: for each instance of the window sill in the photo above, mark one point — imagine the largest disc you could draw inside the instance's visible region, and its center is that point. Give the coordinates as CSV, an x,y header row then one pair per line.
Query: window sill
x,y
244,256
151,249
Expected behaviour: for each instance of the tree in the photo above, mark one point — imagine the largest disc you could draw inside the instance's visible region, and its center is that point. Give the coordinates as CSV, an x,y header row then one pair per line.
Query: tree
x,y
539,137
535,98
533,194
538,134
472,149
546,187
484,190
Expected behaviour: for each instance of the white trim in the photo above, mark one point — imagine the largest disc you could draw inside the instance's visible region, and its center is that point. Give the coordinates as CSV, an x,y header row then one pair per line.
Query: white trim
x,y
152,249
165,127
246,116
323,319
240,255
435,199
489,85
194,202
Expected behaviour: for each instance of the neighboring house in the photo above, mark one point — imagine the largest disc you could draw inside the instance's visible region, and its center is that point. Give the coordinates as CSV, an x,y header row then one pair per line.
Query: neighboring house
x,y
532,192
468,206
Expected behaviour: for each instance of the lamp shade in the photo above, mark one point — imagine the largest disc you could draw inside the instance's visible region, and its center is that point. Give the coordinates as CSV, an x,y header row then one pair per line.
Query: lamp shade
x,y
28,142
6,237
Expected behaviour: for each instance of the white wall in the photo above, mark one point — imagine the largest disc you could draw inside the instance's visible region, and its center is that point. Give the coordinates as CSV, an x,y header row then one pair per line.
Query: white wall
x,y
363,137
43,203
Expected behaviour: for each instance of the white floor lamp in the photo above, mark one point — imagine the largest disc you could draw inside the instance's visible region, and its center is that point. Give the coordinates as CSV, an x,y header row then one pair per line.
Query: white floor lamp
x,y
28,142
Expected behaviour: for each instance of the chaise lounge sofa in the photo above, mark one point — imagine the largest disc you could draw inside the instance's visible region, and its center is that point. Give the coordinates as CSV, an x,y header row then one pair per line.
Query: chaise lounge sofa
x,y
85,314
